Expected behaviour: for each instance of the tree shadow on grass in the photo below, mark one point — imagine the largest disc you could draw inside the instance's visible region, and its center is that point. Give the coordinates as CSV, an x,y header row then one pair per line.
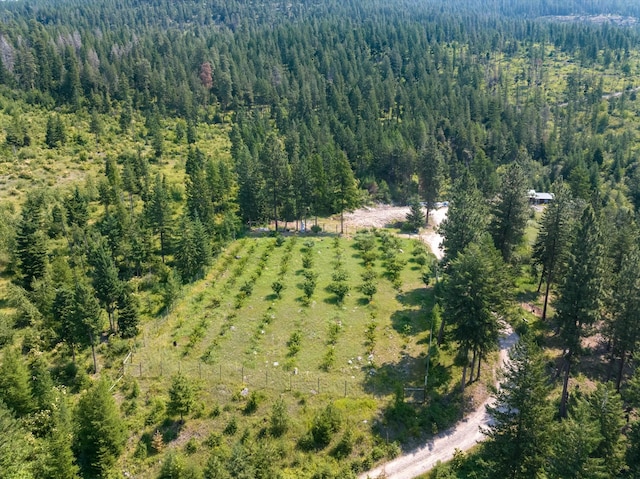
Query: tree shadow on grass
x,y
417,297
408,417
363,301
409,322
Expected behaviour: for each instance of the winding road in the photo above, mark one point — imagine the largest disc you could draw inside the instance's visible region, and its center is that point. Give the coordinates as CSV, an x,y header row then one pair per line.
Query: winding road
x,y
465,434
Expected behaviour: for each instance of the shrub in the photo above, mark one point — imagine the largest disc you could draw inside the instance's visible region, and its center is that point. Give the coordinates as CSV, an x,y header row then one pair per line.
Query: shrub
x,y
308,287
325,425
252,403
231,428
191,447
307,261
339,275
368,288
329,359
277,286
294,343
340,289
279,420
345,445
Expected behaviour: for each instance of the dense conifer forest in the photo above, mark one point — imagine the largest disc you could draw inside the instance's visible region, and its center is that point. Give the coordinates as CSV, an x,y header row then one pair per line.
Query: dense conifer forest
x,y
167,171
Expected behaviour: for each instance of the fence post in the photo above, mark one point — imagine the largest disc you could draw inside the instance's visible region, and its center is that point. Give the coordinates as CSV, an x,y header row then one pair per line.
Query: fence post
x,y
345,388
242,379
266,377
220,372
199,369
140,368
318,385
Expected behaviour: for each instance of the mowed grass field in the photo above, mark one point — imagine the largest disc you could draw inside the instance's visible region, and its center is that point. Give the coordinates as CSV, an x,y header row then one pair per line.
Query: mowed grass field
x,y
236,346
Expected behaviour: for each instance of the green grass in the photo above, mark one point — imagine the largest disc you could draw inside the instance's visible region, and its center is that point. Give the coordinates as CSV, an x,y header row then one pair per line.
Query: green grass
x,y
225,345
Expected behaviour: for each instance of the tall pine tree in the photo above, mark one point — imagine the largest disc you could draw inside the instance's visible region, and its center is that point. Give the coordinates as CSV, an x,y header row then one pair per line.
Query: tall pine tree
x,y
580,295
100,432
519,437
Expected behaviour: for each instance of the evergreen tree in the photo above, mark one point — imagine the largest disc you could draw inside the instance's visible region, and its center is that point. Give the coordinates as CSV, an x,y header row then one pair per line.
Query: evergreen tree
x,y
574,442
86,317
64,312
181,396
632,454
107,284
100,432
14,448
276,173
345,187
41,384
623,328
216,467
55,135
15,392
58,461
431,174
251,186
606,409
279,419
476,294
128,315
580,295
199,194
176,467
158,211
320,190
519,436
193,251
31,244
76,206
415,216
551,248
511,211
466,219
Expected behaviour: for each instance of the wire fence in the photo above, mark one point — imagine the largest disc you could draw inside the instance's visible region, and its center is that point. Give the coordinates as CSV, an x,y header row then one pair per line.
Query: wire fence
x,y
226,379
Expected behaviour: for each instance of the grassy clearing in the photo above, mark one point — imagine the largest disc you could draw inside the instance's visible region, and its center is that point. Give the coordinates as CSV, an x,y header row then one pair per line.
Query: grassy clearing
x,y
245,347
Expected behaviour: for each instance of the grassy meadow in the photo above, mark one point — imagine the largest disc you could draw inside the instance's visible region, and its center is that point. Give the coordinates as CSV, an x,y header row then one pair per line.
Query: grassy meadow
x,y
244,351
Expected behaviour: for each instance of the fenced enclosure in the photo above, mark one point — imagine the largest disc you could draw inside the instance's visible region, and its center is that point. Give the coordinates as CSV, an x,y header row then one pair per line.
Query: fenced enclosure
x,y
222,380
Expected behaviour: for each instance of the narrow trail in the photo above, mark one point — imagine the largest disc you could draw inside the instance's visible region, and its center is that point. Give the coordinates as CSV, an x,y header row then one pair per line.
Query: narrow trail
x,y
468,432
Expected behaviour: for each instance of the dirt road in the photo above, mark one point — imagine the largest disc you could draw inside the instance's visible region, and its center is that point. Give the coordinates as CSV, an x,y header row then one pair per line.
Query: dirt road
x,y
381,216
463,436
468,432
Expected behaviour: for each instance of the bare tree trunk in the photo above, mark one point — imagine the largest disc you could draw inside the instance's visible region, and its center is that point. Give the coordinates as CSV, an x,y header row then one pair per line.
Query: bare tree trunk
x,y
441,332
546,297
542,275
275,207
479,362
162,244
565,387
620,371
473,364
93,353
464,377
428,211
